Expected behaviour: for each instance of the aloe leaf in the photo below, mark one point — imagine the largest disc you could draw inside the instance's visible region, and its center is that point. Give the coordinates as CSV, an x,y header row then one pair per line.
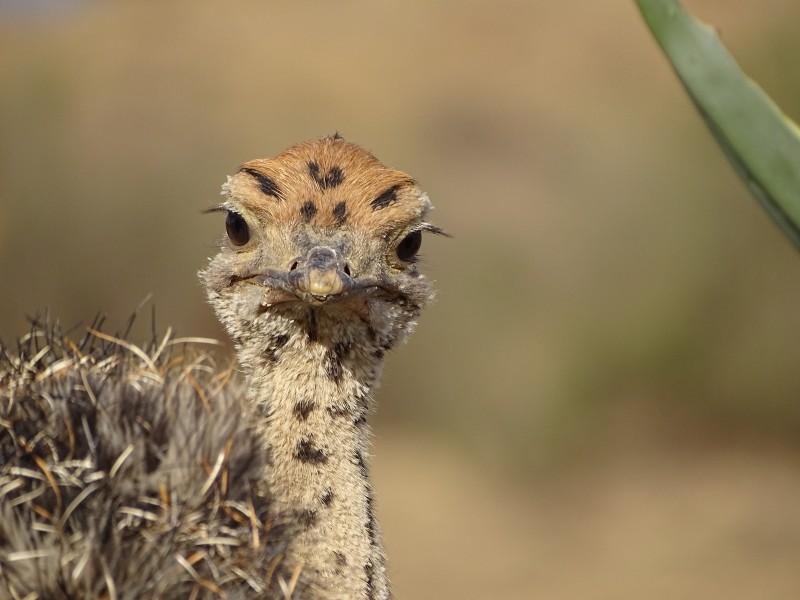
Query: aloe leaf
x,y
762,143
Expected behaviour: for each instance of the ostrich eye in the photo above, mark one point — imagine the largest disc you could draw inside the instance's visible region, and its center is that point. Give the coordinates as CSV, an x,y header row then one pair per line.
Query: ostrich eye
x,y
237,229
408,248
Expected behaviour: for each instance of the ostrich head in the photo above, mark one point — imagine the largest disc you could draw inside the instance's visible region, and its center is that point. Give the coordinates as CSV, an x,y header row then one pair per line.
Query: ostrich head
x,y
322,238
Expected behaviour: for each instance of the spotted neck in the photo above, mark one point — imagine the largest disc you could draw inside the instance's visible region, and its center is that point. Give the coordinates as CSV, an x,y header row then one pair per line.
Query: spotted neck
x,y
311,381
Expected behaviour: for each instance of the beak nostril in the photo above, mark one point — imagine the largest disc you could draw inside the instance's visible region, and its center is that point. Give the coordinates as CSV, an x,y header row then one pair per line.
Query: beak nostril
x,y
294,266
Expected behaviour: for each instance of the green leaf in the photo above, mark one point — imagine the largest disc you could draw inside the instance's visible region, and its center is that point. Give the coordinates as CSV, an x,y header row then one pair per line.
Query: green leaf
x,y
762,143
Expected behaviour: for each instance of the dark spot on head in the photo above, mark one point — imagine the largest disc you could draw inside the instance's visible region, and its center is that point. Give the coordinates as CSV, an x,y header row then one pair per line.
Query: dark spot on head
x,y
307,453
303,408
333,178
386,198
360,420
265,183
308,210
340,213
327,498
313,170
379,353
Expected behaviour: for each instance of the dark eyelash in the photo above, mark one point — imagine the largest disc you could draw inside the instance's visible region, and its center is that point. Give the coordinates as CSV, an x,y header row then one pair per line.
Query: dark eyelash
x,y
216,209
433,229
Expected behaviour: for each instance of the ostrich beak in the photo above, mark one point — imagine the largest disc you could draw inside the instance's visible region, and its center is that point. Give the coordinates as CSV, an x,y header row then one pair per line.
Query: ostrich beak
x,y
323,273
322,276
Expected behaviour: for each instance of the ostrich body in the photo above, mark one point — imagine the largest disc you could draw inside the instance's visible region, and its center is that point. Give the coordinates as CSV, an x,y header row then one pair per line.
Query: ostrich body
x,y
315,281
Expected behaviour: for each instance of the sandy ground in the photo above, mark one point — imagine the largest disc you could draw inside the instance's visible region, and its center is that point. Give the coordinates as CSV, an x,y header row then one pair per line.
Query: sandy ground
x,y
691,524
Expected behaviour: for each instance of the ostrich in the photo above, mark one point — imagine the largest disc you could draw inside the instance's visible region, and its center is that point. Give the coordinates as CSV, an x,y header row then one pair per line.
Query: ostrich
x,y
151,472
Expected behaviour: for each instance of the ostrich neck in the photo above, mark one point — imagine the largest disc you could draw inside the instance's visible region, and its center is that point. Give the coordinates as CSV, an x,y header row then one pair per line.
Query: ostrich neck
x,y
313,391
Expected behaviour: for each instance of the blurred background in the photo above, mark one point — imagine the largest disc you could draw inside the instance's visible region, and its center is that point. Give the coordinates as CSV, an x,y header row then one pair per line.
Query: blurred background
x,y
605,400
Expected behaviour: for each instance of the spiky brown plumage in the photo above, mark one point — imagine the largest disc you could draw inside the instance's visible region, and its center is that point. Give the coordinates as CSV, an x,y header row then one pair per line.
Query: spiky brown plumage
x,y
130,473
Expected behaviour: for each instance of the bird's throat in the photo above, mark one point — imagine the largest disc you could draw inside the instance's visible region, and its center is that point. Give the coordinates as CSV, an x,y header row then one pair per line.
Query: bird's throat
x,y
313,395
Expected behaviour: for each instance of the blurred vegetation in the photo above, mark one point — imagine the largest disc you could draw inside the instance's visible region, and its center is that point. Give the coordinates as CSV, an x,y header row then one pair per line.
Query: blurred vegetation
x,y
617,321
610,283
761,142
